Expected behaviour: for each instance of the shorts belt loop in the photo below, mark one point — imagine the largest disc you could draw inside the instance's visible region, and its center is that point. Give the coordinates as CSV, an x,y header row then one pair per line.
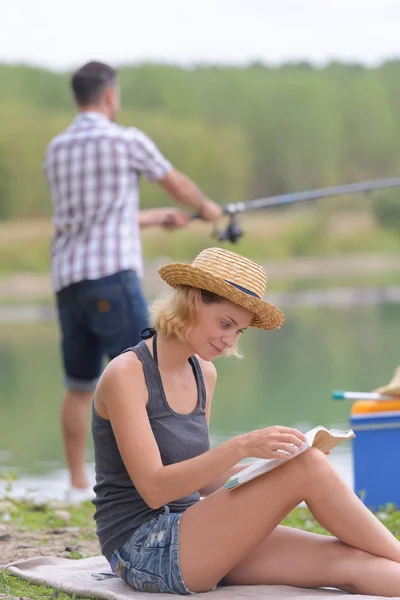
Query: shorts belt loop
x,y
113,564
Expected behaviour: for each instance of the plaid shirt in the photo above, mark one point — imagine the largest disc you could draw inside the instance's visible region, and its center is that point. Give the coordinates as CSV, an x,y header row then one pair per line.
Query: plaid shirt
x,y
93,170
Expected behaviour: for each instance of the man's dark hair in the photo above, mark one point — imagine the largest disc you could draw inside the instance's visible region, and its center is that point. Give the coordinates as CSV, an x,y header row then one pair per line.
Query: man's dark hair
x,y
89,82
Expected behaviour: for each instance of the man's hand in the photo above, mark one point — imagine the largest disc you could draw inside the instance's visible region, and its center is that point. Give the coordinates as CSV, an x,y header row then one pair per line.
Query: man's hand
x,y
210,210
170,218
183,190
173,218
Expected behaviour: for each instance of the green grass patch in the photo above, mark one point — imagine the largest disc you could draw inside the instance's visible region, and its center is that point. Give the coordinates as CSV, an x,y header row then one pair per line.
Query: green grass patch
x,y
301,518
25,246
32,516
18,588
32,256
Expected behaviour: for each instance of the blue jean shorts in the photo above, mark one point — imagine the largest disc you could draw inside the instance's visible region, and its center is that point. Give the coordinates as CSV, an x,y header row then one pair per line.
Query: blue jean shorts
x,y
98,318
149,560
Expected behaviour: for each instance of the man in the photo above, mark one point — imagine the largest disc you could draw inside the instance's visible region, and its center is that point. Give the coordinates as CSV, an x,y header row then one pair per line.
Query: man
x,y
93,171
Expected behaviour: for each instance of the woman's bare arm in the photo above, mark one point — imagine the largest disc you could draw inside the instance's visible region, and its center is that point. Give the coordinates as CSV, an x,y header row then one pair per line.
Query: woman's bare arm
x,y
210,380
123,394
219,481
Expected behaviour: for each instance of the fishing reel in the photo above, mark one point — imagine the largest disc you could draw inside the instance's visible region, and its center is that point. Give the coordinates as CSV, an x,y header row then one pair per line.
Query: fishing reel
x,y
232,233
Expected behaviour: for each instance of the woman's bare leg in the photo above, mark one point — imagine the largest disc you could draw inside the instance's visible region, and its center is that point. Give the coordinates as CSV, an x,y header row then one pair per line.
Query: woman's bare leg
x,y
224,529
293,557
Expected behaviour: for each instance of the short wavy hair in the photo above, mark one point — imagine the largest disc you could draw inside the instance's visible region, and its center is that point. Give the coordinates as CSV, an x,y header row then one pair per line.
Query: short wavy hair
x,y
178,313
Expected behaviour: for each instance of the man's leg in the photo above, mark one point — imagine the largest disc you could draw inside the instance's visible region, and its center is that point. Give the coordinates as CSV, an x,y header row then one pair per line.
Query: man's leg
x,y
133,319
104,316
74,424
82,361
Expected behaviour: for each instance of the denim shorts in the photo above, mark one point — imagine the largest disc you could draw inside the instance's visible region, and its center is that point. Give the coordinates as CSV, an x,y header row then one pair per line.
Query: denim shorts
x,y
98,318
149,560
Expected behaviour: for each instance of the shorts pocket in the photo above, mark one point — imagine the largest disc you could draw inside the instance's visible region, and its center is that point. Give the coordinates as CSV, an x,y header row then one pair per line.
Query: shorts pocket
x,y
156,536
107,309
145,582
139,579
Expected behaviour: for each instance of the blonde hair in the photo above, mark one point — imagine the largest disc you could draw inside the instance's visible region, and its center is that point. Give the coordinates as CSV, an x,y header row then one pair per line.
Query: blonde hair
x,y
178,313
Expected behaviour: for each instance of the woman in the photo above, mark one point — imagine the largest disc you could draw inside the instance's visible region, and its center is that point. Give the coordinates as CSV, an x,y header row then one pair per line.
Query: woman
x,y
153,462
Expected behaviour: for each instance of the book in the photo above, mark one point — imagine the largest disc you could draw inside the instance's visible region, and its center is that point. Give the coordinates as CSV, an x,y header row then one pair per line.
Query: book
x,y
319,437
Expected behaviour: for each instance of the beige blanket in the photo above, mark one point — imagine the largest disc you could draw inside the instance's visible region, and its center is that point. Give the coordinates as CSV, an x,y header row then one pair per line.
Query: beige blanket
x,y
92,578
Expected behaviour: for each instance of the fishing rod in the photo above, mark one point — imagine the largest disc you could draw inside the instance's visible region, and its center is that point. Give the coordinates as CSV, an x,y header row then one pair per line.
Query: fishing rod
x,y
234,232
344,395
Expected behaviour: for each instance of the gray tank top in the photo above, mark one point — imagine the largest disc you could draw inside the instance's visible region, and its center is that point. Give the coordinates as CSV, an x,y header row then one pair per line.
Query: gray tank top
x,y
120,509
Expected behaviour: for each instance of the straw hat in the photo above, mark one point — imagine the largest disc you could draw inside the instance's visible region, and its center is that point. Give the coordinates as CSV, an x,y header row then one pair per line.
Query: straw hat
x,y
231,276
393,387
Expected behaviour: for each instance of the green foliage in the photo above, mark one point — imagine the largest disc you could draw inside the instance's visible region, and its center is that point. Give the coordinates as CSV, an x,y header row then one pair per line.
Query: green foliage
x,y
302,518
239,132
33,516
24,246
8,477
387,210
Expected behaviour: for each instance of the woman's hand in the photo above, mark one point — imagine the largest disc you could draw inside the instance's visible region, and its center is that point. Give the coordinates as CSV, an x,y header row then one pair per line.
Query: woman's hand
x,y
272,442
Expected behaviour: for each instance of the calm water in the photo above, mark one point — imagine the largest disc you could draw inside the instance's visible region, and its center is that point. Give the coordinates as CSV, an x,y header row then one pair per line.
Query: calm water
x,y
286,378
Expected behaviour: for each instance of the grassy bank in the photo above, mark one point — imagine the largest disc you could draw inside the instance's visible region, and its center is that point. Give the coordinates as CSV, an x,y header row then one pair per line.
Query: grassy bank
x,y
56,529
300,250
52,529
24,246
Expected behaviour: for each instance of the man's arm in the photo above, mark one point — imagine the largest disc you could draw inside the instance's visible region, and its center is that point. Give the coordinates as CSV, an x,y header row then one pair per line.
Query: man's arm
x,y
169,218
185,191
146,158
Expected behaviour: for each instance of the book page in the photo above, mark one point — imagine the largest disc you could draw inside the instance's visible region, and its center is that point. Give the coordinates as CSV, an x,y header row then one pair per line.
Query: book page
x,y
326,440
261,466
344,435
319,437
313,433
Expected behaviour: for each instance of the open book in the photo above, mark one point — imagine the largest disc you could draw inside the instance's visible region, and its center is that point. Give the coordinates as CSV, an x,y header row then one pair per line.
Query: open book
x,y
319,437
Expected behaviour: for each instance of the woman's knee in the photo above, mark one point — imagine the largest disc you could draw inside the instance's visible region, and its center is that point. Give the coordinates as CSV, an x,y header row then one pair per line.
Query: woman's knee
x,y
313,464
314,458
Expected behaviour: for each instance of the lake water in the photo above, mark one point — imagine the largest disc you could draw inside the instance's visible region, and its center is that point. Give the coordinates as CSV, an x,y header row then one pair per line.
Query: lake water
x,y
286,378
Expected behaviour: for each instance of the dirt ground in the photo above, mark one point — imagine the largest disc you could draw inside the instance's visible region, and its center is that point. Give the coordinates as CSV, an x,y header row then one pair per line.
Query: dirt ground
x,y
66,542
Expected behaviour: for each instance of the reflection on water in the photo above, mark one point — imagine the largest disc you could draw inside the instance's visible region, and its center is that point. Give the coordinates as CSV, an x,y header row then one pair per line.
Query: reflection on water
x,y
286,378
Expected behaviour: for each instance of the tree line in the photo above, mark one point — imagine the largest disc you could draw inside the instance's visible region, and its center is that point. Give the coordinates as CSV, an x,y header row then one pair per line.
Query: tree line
x,y
240,132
